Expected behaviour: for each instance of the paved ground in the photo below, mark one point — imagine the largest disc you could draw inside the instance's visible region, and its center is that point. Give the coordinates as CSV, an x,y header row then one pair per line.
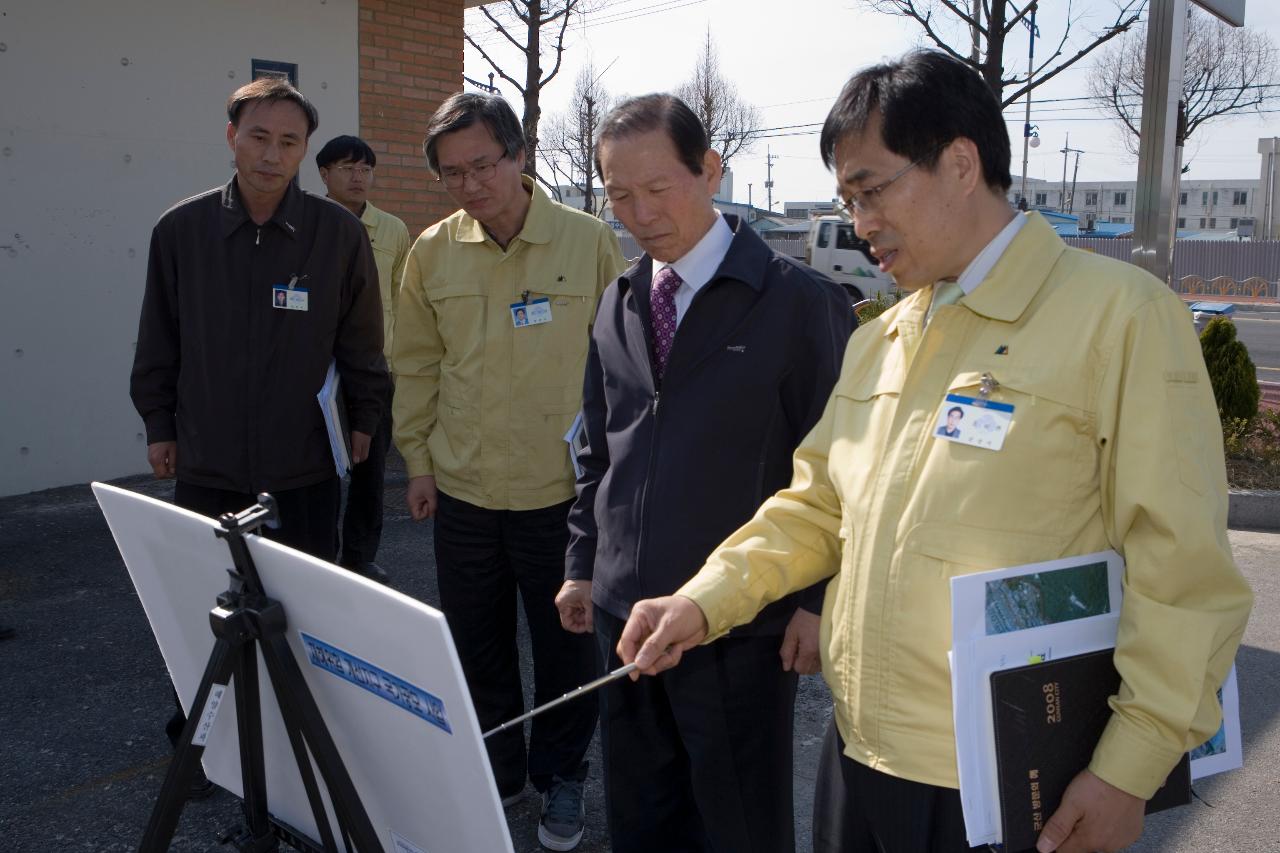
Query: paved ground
x,y
83,697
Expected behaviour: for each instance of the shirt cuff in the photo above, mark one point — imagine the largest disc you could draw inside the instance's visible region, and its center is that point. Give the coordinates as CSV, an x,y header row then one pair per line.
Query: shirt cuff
x,y
364,421
419,466
578,567
161,426
1132,760
714,599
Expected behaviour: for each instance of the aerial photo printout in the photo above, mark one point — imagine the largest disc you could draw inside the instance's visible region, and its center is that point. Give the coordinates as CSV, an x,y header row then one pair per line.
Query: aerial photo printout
x,y
1047,598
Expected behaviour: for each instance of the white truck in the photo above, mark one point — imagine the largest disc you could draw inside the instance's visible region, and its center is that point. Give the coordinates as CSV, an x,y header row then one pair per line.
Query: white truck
x,y
834,249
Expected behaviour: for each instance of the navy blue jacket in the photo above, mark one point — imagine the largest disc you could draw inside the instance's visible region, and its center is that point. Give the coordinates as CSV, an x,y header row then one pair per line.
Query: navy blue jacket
x,y
672,469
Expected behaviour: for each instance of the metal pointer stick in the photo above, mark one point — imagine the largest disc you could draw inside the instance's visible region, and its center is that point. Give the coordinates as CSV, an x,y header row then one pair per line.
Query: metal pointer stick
x,y
620,672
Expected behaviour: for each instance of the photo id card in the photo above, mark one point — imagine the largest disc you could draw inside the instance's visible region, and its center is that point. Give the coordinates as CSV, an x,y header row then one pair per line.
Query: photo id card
x,y
531,313
973,421
289,299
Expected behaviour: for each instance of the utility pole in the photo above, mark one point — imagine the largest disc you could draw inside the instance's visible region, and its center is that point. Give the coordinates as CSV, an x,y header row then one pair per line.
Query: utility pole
x,y
1161,88
1030,139
769,157
1074,174
751,208
1066,150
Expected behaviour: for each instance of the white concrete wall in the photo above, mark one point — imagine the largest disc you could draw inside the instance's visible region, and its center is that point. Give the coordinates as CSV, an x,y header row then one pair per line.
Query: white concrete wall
x,y
111,113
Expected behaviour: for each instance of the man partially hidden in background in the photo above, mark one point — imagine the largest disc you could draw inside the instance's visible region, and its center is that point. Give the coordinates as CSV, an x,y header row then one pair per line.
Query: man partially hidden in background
x,y
347,165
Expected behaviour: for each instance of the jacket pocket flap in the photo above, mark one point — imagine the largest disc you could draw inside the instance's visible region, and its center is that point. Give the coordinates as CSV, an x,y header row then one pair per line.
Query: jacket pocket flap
x,y
877,380
980,548
459,289
1030,380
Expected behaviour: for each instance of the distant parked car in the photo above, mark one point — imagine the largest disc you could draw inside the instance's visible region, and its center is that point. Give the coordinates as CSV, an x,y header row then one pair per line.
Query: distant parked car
x,y
1203,312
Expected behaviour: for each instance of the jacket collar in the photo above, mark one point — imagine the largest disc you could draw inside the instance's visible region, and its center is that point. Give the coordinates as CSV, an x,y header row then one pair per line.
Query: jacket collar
x,y
287,216
538,226
1010,286
745,261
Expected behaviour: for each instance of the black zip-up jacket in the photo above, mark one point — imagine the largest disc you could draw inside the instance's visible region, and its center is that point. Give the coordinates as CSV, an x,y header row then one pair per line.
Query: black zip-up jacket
x,y
230,377
671,470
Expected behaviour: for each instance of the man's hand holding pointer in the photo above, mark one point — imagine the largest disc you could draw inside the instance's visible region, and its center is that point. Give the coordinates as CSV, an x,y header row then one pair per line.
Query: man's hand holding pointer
x,y
659,632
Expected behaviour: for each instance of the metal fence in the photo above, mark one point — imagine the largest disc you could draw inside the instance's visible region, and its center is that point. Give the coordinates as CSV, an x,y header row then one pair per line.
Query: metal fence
x,y
1208,267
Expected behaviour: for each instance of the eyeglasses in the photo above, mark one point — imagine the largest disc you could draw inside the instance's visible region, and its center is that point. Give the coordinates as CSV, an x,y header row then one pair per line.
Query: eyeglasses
x,y
482,172
349,170
868,201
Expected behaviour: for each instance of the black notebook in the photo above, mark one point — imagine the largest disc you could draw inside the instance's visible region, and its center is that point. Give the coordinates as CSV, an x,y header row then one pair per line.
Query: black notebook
x,y
1048,718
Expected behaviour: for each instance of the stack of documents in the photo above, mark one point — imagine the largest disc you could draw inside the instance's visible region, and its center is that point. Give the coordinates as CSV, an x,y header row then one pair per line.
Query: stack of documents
x,y
1009,618
335,420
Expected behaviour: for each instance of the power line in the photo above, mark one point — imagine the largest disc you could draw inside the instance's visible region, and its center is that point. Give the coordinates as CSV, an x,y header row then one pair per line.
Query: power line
x,y
612,14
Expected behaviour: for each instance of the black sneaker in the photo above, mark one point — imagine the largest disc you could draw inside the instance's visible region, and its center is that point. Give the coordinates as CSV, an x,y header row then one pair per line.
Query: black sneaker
x,y
563,815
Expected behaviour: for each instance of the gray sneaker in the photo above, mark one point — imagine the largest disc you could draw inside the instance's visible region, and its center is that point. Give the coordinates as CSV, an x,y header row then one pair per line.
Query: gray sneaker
x,y
563,815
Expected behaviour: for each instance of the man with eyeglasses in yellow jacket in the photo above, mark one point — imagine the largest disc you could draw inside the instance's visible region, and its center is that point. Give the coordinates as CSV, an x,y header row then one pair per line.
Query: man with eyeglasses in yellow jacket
x,y
1110,440
492,330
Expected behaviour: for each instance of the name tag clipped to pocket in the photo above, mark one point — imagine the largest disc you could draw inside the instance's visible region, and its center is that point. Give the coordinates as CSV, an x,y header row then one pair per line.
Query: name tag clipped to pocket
x,y
975,421
531,313
289,296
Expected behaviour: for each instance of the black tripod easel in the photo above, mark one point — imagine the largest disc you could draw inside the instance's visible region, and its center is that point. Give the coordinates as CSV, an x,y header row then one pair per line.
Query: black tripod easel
x,y
246,622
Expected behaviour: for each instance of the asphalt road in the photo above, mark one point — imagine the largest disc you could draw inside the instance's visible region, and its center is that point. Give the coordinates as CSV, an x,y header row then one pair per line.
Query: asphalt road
x,y
84,698
1260,332
84,695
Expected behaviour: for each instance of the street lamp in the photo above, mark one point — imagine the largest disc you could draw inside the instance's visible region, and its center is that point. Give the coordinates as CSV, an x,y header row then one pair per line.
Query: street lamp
x,y
1030,138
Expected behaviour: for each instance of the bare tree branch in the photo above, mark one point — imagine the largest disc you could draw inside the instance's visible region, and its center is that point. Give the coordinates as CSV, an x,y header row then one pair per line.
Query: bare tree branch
x,y
521,24
494,65
1000,19
502,29
568,7
964,16
1081,54
732,124
570,143
1226,70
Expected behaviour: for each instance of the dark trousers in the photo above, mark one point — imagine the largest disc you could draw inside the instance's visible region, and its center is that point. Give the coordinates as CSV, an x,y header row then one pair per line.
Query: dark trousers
x,y
699,758
362,519
483,557
308,522
860,810
308,516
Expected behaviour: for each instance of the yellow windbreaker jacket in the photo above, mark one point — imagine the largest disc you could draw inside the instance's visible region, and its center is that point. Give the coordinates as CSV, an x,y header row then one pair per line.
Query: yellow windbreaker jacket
x,y
1114,443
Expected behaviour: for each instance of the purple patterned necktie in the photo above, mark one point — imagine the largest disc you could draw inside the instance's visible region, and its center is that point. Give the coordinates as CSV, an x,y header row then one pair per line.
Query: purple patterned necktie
x,y
662,306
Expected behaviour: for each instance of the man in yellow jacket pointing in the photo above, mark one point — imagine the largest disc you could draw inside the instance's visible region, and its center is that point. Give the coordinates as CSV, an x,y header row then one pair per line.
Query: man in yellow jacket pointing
x,y
1108,437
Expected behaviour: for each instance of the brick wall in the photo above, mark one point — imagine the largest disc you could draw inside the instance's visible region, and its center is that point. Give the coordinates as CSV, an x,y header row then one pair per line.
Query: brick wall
x,y
410,61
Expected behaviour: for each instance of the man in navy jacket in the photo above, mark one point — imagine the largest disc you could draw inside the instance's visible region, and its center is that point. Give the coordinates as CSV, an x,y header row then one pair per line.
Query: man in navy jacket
x,y
710,360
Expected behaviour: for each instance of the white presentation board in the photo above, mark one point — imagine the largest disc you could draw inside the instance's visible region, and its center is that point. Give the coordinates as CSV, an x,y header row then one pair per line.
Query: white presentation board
x,y
381,666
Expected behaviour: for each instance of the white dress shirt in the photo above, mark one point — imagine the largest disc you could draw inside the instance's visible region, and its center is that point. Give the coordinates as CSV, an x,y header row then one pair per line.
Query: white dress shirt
x,y
699,264
980,267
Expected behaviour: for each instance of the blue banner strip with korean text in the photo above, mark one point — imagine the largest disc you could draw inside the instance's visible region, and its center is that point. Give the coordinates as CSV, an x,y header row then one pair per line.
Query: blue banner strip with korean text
x,y
361,673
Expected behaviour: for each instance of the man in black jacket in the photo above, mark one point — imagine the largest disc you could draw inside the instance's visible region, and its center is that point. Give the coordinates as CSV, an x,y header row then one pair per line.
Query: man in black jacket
x,y
253,288
710,359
